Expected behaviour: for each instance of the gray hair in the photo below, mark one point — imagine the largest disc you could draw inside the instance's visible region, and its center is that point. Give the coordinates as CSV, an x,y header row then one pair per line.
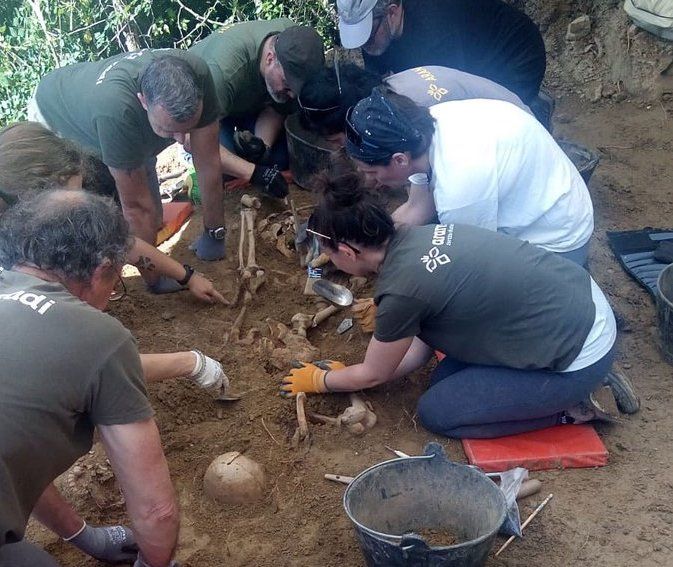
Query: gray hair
x,y
172,83
381,7
69,233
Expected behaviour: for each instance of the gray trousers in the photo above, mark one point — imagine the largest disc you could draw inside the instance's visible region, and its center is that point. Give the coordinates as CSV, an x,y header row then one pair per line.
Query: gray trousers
x,y
24,554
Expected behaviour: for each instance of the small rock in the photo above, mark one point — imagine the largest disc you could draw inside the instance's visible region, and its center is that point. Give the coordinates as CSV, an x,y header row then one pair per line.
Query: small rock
x,y
578,28
167,315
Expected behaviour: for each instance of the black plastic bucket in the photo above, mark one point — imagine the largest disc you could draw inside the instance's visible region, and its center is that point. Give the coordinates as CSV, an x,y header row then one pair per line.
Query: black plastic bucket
x,y
665,312
388,501
308,152
584,159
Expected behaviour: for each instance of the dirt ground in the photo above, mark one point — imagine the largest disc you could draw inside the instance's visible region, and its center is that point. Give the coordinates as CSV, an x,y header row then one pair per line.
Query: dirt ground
x,y
618,516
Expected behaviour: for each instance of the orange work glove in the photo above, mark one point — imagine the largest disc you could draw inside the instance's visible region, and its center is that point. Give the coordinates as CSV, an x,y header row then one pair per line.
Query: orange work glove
x,y
364,311
308,377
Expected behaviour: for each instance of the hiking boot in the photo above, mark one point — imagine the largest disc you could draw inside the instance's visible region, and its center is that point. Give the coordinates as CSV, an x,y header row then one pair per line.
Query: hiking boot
x,y
623,391
599,406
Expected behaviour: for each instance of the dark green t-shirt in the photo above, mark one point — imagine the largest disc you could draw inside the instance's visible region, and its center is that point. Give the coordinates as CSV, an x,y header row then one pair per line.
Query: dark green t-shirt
x,y
96,105
233,57
483,297
65,368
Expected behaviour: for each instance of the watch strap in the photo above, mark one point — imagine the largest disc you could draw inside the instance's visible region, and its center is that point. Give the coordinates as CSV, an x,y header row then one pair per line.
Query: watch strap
x,y
189,272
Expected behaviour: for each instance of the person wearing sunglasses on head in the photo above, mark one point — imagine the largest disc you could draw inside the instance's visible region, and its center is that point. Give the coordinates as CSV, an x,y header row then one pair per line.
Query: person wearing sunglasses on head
x,y
528,335
328,94
488,38
481,162
258,67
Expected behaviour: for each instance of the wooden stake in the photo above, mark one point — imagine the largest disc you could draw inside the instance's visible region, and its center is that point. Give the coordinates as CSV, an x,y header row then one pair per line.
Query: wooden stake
x,y
528,520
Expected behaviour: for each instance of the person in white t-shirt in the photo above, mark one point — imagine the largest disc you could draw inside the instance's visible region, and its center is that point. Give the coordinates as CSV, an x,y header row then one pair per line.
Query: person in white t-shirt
x,y
481,162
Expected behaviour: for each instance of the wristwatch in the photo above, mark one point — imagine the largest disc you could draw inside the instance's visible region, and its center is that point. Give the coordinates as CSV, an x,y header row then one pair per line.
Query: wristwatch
x,y
217,233
189,272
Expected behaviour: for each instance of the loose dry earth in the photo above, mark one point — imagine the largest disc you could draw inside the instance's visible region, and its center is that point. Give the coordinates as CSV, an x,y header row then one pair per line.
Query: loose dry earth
x,y
618,516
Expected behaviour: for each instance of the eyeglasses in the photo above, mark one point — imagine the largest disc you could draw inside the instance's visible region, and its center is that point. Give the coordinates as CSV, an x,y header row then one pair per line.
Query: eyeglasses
x,y
117,293
320,235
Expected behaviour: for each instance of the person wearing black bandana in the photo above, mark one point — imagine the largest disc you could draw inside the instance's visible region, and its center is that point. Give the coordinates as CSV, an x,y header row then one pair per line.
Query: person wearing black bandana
x,y
481,162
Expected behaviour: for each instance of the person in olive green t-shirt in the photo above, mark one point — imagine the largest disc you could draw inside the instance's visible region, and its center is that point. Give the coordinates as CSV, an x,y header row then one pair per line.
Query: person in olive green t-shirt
x,y
257,68
128,108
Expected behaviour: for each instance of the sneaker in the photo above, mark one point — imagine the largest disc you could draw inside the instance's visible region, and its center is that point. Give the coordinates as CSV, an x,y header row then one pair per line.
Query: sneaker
x,y
623,392
599,406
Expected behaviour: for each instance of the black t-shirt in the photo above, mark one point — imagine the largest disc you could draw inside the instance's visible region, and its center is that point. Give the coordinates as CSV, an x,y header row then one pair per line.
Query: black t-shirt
x,y
484,37
483,297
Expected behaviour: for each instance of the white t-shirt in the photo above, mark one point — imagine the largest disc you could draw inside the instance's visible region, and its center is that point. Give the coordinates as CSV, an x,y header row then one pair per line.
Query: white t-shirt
x,y
495,166
602,335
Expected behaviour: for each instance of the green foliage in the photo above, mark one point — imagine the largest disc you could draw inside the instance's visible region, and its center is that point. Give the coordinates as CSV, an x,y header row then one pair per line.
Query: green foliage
x,y
38,35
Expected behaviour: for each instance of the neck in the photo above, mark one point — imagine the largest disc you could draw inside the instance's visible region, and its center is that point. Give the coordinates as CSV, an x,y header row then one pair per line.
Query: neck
x,y
78,289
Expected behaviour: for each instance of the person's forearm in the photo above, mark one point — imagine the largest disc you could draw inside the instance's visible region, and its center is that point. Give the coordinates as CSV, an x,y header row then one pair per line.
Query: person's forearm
x,y
268,125
146,257
416,357
234,165
205,151
55,513
140,210
354,378
165,366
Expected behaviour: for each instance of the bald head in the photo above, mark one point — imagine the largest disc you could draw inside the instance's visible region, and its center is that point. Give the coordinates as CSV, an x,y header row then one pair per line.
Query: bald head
x,y
70,233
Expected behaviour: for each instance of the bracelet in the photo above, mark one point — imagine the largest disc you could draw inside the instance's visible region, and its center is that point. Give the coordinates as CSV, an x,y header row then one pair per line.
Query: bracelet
x,y
189,272
324,381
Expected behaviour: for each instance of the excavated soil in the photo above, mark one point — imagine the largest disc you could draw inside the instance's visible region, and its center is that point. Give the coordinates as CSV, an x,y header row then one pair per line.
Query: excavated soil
x,y
618,516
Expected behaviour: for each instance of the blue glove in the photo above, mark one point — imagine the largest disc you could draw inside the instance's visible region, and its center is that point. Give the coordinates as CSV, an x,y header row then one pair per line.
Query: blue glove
x,y
208,248
165,285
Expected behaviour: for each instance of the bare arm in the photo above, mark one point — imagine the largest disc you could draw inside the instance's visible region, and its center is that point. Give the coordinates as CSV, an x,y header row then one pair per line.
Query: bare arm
x,y
56,514
269,123
205,149
139,464
147,258
379,366
140,209
419,208
165,366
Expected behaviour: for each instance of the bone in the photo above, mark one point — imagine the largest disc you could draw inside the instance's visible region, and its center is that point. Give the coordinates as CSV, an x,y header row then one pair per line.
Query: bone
x,y
250,201
256,282
301,433
235,331
281,246
324,314
357,283
319,261
250,232
357,419
301,322
241,242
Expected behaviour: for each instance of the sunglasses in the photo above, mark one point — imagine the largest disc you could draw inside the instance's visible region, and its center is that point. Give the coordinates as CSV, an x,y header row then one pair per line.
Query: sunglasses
x,y
119,292
320,235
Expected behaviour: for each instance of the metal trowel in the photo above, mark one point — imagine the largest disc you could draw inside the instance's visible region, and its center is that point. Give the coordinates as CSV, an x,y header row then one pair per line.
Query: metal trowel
x,y
337,294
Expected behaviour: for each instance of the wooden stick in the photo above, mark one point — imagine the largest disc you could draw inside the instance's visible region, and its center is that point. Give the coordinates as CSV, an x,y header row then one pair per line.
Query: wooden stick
x,y
528,520
339,478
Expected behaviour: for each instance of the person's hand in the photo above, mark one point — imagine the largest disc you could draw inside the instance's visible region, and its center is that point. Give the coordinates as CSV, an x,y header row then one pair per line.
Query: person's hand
x,y
308,377
270,179
112,544
250,147
203,289
208,248
208,373
364,312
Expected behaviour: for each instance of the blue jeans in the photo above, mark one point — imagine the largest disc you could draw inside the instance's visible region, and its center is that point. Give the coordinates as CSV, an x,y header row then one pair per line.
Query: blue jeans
x,y
24,554
279,152
488,401
579,255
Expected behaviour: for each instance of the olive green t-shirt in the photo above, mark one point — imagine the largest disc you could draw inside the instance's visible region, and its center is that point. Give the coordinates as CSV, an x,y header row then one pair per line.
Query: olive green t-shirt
x,y
233,57
65,368
96,105
483,297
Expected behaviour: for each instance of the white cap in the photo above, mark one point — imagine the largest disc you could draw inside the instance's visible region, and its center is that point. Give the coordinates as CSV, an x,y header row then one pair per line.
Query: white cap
x,y
355,21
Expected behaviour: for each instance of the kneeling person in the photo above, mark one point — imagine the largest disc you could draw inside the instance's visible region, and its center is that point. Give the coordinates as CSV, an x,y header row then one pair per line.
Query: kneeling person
x,y
528,335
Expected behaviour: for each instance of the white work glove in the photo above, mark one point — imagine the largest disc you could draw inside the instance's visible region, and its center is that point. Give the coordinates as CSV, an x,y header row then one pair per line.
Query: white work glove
x,y
208,373
112,544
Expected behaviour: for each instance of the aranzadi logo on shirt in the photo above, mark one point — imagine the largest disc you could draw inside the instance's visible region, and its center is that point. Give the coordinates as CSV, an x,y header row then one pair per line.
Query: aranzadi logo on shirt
x,y
441,236
36,302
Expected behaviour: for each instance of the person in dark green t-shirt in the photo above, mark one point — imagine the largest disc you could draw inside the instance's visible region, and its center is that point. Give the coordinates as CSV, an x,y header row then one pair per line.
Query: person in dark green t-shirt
x,y
528,335
257,68
127,109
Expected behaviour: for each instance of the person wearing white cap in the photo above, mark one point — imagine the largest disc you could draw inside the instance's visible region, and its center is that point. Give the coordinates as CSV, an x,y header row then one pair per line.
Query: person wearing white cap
x,y
488,38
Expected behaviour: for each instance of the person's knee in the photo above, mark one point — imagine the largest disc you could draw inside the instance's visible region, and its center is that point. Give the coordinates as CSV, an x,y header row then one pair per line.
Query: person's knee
x,y
433,416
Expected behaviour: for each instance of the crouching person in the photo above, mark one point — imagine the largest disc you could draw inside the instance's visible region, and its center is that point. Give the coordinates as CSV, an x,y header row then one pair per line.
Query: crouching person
x,y
529,336
67,369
